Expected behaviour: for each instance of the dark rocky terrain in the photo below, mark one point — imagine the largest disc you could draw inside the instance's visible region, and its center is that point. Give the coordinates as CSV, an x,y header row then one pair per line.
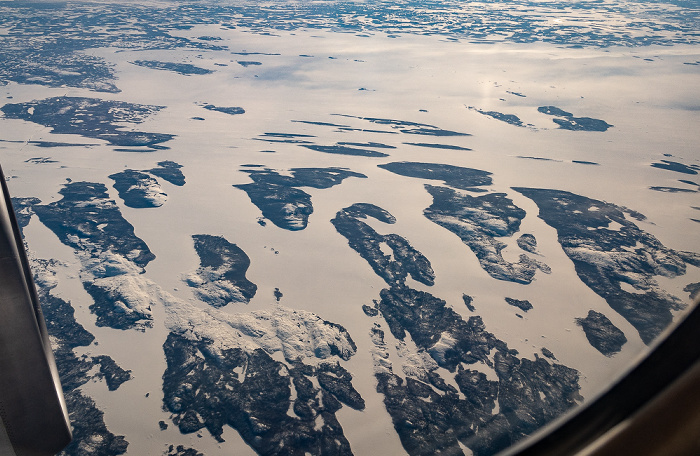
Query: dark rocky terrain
x,y
411,128
663,189
446,381
693,289
280,199
567,121
605,257
220,278
87,422
527,242
522,304
169,171
186,69
180,450
677,167
231,110
511,119
137,189
453,176
112,255
275,406
602,334
394,268
86,219
90,117
479,221
345,150
430,415
438,146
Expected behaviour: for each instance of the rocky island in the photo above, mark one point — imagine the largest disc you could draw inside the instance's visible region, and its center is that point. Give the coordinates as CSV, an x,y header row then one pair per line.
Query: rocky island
x,y
280,199
90,117
614,257
429,414
567,121
220,278
601,333
112,256
185,69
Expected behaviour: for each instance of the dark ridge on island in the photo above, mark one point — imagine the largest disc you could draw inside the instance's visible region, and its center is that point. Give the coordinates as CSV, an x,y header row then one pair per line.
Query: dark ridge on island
x,y
90,117
672,190
608,250
677,167
567,121
437,146
523,304
234,110
412,128
537,158
323,124
48,144
255,53
344,150
689,182
40,160
279,199
517,94
601,333
247,63
366,130
479,222
511,119
372,144
287,141
185,69
430,415
454,176
152,148
583,162
286,135
220,278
